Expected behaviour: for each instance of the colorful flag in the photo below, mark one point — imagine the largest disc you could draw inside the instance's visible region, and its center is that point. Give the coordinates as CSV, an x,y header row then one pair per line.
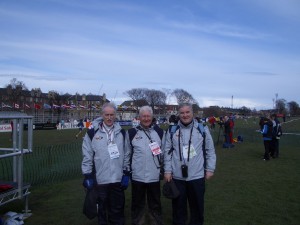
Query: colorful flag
x,y
16,106
65,106
82,106
46,106
5,106
55,106
27,106
37,106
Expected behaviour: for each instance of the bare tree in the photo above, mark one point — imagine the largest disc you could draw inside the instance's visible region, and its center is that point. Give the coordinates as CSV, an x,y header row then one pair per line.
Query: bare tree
x,y
14,90
281,106
293,108
183,96
137,94
53,97
155,98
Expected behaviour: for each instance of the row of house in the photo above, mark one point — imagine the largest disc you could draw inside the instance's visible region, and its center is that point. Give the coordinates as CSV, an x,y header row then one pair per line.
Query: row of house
x,y
51,107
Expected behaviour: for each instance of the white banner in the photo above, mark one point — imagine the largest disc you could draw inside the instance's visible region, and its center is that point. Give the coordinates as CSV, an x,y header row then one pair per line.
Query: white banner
x,y
5,128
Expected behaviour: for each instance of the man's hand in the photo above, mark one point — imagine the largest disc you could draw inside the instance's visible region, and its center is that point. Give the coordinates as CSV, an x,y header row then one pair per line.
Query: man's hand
x,y
125,179
168,177
88,181
208,175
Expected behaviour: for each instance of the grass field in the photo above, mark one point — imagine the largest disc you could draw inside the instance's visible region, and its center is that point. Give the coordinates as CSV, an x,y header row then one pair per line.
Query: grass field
x,y
244,191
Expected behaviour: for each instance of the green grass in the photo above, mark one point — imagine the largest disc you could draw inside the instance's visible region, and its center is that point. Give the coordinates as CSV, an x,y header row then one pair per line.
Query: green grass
x,y
244,191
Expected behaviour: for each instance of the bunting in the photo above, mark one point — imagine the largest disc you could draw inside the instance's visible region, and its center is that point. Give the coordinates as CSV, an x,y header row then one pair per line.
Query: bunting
x,y
37,106
55,106
46,106
6,106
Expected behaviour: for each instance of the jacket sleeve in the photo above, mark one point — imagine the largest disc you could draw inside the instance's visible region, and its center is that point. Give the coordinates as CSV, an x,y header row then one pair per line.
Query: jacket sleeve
x,y
88,155
210,152
127,154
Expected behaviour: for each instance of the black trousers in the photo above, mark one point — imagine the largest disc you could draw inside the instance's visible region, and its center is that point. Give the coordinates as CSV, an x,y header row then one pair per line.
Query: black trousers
x,y
193,193
140,192
274,148
268,146
111,200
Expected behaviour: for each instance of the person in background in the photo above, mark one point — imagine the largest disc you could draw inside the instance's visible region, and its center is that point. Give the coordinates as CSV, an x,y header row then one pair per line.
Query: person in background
x,y
277,132
189,165
102,165
143,158
231,124
80,126
266,130
173,120
227,132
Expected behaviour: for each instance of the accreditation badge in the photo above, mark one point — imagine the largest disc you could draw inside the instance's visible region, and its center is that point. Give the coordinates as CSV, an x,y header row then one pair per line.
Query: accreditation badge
x,y
185,151
155,149
113,151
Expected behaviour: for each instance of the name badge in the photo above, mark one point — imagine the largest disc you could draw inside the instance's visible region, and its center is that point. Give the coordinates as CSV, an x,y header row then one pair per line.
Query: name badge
x,y
113,151
185,150
155,149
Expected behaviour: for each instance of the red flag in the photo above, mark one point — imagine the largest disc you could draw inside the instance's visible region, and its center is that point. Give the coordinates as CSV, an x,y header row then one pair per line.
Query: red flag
x,y
37,106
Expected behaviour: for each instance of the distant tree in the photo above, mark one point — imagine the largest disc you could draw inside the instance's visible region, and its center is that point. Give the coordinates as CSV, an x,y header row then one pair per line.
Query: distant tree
x,y
244,110
281,106
15,90
293,108
183,96
212,111
53,97
137,94
155,98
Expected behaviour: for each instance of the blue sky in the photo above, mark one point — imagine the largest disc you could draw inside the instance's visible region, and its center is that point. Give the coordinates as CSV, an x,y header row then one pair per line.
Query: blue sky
x,y
213,49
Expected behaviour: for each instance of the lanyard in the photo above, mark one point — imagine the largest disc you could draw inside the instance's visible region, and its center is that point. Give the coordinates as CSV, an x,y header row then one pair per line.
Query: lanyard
x,y
108,133
148,136
158,158
190,141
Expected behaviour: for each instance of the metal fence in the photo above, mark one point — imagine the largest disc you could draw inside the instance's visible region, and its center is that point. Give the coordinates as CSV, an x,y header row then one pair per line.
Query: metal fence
x,y
48,164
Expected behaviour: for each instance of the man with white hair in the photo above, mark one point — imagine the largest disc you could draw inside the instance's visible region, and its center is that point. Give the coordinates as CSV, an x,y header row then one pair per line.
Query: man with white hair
x,y
102,165
143,158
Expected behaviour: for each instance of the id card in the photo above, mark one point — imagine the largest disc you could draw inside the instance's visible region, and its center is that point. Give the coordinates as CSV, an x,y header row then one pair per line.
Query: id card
x,y
185,150
113,151
155,149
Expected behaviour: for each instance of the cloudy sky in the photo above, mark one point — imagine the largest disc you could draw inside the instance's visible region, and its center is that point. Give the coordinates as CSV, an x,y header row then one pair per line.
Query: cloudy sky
x,y
213,49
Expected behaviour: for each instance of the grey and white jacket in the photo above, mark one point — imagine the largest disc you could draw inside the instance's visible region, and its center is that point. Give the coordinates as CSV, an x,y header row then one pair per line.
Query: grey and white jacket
x,y
172,163
145,167
95,152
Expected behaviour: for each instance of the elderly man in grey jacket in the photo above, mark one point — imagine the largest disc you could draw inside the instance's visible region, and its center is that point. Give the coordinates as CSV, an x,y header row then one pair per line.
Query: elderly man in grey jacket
x,y
143,157
102,165
188,164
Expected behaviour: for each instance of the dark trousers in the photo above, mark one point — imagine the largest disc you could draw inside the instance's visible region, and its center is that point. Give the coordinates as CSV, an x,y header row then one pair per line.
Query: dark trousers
x,y
274,148
111,200
140,192
193,193
267,145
